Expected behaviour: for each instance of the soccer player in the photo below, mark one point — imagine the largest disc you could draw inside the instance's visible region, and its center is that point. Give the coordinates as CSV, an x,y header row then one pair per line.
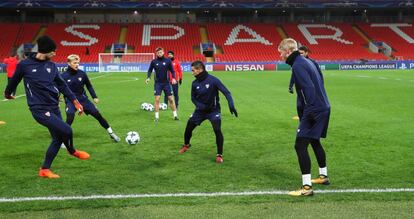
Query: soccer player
x,y
304,51
162,65
11,63
178,77
77,80
43,83
314,118
205,96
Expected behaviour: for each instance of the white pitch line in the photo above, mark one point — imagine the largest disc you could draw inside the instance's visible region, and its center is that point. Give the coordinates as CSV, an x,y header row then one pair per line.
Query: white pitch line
x,y
18,96
202,194
123,81
382,78
363,76
100,76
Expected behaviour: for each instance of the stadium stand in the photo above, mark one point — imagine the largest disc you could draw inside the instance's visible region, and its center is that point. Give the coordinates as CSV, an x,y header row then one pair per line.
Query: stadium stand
x,y
27,33
168,38
234,42
402,42
95,37
347,46
263,49
8,37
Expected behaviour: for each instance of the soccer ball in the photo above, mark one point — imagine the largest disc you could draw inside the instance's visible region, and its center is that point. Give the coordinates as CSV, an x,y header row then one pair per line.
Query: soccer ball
x,y
150,107
144,106
163,106
132,138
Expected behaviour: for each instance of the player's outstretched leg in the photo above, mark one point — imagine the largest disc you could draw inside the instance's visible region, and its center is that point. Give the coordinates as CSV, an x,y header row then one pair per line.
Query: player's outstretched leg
x,y
301,147
187,136
173,107
321,158
105,125
51,153
219,140
60,133
70,117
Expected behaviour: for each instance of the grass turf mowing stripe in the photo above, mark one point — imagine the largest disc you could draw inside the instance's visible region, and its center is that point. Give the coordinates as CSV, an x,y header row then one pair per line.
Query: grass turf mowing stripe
x,y
213,194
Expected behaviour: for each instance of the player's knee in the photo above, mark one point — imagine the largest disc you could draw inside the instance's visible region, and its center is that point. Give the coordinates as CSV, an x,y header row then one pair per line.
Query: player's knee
x,y
66,131
217,129
301,144
96,115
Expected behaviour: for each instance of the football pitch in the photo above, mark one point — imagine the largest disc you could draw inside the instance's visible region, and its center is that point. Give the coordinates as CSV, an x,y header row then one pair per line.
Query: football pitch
x,y
369,146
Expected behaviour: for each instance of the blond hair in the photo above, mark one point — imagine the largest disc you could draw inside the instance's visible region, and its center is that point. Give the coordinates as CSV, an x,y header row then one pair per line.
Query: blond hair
x,y
73,57
288,44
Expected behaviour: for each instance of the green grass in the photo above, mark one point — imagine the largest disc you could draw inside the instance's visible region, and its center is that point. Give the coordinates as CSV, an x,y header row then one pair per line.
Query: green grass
x,y
369,145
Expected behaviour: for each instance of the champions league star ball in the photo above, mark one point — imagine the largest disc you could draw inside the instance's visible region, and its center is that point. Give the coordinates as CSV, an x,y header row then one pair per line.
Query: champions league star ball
x,y
150,107
132,138
163,106
144,106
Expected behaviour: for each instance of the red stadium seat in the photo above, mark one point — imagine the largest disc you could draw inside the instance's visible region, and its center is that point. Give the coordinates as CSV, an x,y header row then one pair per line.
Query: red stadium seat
x,y
237,47
402,45
8,36
164,37
348,46
94,36
236,42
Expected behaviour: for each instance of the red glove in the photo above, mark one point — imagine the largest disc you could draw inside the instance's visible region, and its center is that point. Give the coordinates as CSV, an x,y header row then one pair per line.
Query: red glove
x,y
9,97
78,106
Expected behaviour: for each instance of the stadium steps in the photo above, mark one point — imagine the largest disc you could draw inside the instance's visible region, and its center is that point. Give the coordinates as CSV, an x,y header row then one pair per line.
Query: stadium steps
x,y
219,50
107,49
196,49
367,38
204,34
281,32
41,32
204,39
361,33
123,34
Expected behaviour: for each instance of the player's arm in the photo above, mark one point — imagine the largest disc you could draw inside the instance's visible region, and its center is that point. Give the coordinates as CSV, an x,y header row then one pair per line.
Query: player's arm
x,y
291,84
90,89
227,94
150,69
65,90
14,81
307,90
319,69
171,69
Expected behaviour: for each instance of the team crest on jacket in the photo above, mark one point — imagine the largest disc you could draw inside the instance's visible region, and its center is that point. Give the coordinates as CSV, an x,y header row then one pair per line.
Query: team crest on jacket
x,y
48,70
163,63
69,80
47,114
80,79
207,86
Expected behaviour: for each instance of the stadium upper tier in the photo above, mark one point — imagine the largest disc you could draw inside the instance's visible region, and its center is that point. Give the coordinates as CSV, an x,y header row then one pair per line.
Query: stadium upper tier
x,y
233,42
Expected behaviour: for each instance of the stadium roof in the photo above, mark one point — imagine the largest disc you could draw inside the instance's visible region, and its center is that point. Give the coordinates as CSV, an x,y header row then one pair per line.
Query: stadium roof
x,y
186,4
